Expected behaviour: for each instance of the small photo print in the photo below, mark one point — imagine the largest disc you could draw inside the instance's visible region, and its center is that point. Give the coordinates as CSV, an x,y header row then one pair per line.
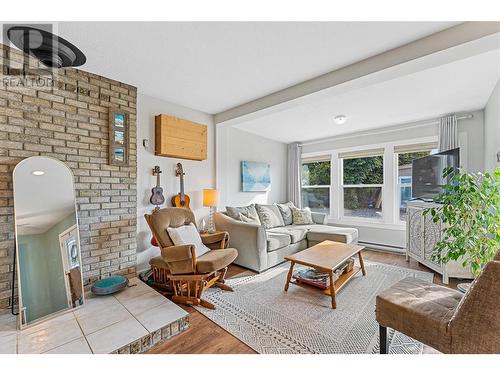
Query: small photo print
x,y
119,137
119,154
119,120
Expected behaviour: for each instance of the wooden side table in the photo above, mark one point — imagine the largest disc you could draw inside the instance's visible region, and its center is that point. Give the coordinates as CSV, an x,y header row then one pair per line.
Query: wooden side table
x,y
224,241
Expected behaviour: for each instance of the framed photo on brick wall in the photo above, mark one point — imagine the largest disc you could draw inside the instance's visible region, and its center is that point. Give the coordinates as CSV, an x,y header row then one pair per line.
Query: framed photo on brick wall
x,y
118,137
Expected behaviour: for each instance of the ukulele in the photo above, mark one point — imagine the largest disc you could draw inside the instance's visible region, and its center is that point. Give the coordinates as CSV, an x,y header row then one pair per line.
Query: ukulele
x,y
157,197
181,199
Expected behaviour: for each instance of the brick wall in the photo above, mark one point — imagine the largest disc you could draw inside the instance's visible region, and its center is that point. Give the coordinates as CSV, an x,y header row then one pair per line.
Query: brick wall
x,y
70,122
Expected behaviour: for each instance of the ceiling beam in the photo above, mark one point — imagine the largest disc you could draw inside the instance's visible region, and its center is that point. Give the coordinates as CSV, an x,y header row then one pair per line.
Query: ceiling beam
x,y
448,38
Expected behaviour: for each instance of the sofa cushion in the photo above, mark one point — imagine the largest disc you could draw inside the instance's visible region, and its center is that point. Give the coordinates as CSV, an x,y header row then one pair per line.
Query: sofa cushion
x,y
269,215
286,212
249,219
276,241
296,233
216,260
318,233
302,216
249,212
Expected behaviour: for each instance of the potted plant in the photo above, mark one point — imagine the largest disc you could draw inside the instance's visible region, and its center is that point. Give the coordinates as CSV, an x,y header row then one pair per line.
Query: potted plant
x,y
470,210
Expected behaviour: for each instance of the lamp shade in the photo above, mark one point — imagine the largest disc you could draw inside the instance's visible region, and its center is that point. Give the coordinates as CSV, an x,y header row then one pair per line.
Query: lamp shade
x,y
210,197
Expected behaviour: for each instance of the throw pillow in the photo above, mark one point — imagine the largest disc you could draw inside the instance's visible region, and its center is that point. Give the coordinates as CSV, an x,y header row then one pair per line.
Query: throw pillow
x,y
286,212
249,219
188,234
247,211
269,216
302,216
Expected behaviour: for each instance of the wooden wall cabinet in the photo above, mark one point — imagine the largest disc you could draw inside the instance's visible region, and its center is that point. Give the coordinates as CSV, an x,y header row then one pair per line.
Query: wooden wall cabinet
x,y
179,138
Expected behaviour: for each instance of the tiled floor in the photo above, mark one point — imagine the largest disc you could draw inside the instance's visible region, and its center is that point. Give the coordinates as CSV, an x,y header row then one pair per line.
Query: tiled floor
x,y
131,321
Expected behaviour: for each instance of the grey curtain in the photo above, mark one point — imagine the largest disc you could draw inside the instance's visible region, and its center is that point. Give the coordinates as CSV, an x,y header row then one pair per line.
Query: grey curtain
x,y
293,176
448,133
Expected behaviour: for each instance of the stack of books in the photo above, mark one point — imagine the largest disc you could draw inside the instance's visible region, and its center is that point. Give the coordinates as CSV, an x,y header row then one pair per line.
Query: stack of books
x,y
321,280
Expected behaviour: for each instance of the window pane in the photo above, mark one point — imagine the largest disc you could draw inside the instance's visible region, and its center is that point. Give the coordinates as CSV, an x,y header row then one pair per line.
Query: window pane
x,y
405,196
317,199
316,173
368,170
404,178
363,202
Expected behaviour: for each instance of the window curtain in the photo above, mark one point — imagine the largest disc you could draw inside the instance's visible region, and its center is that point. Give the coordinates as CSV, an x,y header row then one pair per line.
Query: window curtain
x,y
293,186
448,133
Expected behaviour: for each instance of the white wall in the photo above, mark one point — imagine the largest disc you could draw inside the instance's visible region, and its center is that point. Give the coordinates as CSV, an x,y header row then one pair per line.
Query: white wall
x,y
199,174
234,146
472,133
471,142
492,130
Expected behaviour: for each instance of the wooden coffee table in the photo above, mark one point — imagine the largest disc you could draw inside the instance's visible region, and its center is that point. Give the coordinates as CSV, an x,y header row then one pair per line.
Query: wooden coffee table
x,y
326,257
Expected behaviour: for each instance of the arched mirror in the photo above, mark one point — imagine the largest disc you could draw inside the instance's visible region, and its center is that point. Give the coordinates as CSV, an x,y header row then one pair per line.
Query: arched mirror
x,y
47,239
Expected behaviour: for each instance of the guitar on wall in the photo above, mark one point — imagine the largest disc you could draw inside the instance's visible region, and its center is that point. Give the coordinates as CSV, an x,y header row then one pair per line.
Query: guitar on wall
x,y
157,197
181,199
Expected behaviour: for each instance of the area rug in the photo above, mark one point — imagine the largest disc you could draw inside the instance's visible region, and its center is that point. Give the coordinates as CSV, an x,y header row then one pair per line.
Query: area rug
x,y
272,321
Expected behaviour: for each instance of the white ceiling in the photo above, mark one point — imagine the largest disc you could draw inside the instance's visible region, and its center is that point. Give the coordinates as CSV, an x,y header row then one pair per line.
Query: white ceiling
x,y
42,201
215,66
459,86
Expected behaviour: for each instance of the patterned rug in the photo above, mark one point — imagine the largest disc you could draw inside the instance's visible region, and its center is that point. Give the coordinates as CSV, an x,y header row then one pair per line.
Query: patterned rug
x,y
272,321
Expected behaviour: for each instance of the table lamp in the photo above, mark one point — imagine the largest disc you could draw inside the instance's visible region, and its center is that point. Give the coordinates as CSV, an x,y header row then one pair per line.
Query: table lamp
x,y
210,199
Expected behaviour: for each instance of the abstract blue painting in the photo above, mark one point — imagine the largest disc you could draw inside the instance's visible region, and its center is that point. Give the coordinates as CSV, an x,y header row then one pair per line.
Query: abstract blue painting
x,y
255,176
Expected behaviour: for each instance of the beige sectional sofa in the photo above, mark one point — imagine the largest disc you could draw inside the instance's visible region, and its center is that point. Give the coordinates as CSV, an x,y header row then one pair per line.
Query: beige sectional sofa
x,y
260,248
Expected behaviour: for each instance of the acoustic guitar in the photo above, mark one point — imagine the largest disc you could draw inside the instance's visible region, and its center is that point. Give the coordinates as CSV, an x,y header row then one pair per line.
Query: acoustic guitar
x,y
181,199
157,197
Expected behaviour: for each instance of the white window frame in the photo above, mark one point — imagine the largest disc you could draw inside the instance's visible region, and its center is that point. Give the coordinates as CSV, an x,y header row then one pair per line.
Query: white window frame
x,y
390,206
398,186
313,160
398,195
343,216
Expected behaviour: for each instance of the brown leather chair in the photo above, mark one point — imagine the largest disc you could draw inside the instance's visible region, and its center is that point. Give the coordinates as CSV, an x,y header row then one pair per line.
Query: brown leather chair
x,y
443,318
189,275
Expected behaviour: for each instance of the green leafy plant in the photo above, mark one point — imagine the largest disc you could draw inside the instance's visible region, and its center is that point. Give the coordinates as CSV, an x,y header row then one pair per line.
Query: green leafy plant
x,y
470,211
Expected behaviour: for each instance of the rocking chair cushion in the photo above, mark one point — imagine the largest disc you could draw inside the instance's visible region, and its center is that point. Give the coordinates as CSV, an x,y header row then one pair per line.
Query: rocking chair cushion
x,y
188,234
216,260
158,262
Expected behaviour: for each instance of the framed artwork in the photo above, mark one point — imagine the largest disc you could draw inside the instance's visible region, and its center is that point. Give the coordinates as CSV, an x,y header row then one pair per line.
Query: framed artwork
x,y
255,176
118,137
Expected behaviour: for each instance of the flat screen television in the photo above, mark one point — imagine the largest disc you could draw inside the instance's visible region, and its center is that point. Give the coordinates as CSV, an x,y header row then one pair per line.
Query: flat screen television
x,y
427,173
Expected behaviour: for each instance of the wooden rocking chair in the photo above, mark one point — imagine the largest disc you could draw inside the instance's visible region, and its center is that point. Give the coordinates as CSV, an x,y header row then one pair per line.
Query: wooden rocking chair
x,y
179,266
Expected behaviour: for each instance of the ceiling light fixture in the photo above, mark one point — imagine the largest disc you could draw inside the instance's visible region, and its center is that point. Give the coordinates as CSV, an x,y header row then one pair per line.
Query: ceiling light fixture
x,y
340,119
38,173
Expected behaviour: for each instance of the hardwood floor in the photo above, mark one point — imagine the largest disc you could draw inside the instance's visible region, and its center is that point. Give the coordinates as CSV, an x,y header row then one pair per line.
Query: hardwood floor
x,y
206,337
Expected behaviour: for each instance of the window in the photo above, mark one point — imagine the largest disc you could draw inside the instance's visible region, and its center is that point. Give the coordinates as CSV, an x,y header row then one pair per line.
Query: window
x,y
316,179
362,182
405,157
368,186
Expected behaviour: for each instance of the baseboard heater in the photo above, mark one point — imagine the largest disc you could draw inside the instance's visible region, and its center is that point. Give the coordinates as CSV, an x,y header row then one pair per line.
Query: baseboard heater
x,y
388,248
